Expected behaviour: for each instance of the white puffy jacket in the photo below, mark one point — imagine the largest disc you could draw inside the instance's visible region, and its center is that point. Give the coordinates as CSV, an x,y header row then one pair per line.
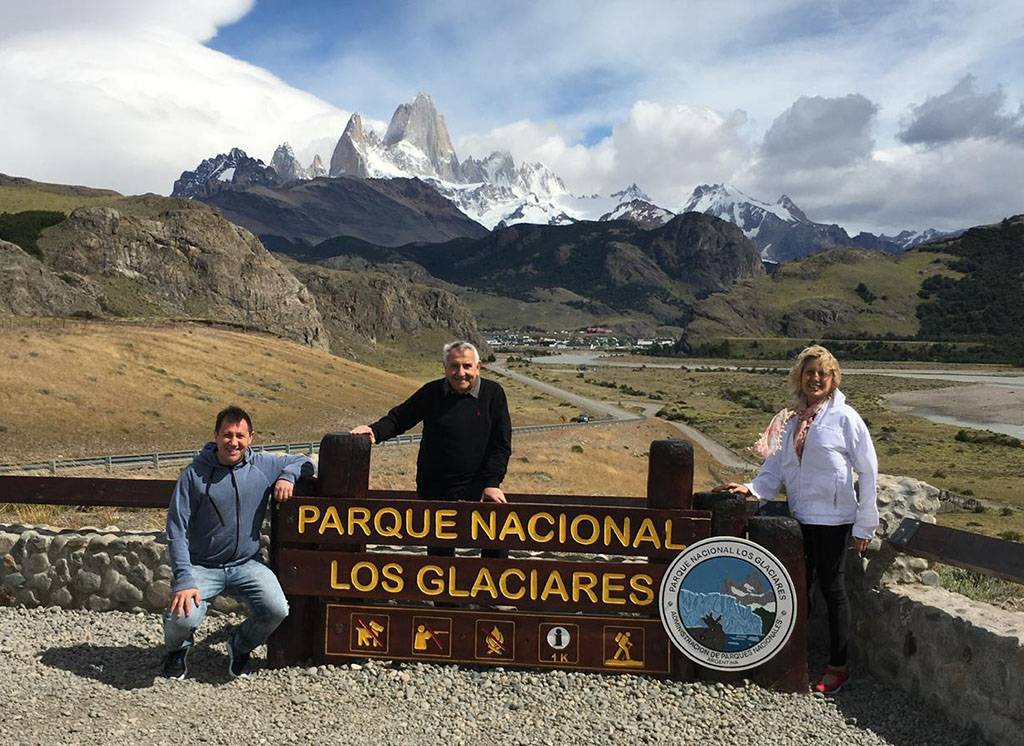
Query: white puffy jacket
x,y
820,486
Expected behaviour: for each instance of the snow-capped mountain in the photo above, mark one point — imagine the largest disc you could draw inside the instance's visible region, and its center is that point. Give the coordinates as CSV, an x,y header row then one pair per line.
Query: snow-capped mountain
x,y
286,164
782,231
233,167
643,213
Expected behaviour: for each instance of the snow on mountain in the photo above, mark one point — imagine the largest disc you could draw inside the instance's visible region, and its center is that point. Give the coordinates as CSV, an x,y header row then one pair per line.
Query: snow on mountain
x,y
729,203
630,193
642,212
233,168
316,168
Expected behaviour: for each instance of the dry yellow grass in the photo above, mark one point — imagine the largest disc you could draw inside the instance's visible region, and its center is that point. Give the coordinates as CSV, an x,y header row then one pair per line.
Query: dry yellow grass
x,y
82,388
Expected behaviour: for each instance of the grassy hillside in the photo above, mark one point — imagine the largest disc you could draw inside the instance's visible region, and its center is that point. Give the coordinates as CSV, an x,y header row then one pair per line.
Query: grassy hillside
x,y
79,388
76,388
835,294
18,195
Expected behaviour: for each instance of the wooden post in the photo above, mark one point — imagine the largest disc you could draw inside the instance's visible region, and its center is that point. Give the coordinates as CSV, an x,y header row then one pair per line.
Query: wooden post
x,y
728,512
787,670
344,472
670,474
670,485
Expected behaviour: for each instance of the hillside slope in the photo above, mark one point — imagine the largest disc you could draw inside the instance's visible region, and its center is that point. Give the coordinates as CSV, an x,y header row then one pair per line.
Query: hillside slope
x,y
837,293
106,387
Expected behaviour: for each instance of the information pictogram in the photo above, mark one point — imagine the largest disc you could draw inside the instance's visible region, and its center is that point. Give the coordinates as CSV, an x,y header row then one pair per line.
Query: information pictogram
x,y
624,647
558,643
495,640
370,632
432,636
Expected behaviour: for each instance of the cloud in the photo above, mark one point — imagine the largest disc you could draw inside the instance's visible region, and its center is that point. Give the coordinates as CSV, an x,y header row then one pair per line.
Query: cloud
x,y
818,131
125,96
666,149
960,113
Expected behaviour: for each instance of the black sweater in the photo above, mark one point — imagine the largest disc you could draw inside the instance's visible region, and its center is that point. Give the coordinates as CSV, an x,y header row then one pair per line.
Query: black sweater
x,y
466,442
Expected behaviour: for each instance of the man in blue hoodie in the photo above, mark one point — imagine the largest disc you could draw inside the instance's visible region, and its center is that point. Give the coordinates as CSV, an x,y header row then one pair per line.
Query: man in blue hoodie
x,y
213,536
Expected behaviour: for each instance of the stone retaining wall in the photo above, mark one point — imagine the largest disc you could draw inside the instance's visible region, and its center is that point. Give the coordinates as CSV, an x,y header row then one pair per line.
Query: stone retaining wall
x,y
962,656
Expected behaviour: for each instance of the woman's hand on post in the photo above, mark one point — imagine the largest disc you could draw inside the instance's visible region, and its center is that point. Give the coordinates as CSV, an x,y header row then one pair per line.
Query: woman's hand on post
x,y
734,487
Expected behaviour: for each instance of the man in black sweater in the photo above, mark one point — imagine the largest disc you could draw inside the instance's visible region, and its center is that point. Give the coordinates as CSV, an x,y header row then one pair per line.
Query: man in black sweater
x,y
467,431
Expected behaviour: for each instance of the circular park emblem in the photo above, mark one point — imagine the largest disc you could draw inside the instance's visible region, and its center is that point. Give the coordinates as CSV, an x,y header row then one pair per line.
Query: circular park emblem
x,y
727,603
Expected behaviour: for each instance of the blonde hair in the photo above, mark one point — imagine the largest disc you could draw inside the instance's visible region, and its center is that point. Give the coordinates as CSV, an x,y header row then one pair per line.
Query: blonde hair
x,y
814,352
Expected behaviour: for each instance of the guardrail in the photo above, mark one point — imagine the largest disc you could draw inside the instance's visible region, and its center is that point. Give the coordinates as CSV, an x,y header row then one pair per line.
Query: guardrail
x,y
156,460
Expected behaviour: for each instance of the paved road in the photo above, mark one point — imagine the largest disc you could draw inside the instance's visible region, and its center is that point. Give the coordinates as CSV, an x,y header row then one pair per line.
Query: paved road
x,y
717,451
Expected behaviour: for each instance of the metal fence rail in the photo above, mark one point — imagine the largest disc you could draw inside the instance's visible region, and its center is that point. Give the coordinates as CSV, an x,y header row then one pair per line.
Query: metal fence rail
x,y
166,457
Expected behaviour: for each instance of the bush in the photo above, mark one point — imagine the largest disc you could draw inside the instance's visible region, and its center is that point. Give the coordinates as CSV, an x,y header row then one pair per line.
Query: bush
x,y
987,437
1011,535
24,228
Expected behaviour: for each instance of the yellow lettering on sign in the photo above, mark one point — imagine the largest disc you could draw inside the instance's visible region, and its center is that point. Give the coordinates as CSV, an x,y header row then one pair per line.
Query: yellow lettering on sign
x,y
484,583
443,519
595,529
432,585
307,514
584,582
643,590
621,533
390,529
668,536
331,520
554,585
503,583
335,583
647,533
610,587
531,527
393,581
561,528
374,576
478,522
358,517
512,526
453,590
424,527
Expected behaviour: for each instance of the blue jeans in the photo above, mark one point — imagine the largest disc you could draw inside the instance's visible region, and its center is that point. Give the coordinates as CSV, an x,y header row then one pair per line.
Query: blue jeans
x,y
255,582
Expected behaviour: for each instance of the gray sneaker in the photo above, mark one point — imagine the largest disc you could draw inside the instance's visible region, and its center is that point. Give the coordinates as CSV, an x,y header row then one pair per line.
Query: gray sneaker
x,y
238,663
176,664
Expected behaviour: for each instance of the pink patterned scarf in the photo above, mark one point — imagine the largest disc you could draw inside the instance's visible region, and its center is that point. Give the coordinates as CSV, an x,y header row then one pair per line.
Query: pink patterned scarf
x,y
771,439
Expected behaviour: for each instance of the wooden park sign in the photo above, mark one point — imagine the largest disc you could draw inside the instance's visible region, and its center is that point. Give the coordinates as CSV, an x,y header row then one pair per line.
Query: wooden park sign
x,y
580,591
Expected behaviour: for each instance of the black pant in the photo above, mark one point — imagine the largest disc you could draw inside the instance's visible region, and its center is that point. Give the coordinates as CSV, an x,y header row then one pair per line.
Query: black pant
x,y
450,551
825,556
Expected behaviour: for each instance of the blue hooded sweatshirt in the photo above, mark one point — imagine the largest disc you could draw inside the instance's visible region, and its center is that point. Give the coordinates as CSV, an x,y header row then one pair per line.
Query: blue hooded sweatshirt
x,y
216,511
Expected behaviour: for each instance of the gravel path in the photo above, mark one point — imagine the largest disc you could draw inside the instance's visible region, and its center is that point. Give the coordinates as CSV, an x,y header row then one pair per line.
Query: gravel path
x,y
72,677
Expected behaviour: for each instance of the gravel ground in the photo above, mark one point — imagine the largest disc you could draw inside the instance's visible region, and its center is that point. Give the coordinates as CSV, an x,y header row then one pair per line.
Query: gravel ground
x,y
71,677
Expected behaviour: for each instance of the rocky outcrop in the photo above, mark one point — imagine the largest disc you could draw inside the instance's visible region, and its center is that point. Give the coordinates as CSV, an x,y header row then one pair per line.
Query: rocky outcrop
x,y
30,288
419,124
153,256
286,165
349,158
379,307
234,169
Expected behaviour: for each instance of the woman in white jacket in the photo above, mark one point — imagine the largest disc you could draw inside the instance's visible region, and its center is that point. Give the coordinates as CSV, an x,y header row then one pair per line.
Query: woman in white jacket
x,y
814,447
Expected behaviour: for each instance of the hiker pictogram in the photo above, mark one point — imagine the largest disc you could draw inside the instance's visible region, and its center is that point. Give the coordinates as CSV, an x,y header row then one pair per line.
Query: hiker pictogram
x,y
624,647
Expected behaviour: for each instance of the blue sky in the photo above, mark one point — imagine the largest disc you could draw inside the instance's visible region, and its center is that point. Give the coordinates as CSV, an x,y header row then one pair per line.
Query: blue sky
x,y
875,115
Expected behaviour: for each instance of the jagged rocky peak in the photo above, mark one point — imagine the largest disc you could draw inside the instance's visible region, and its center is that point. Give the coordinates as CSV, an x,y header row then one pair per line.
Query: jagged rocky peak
x,y
419,124
234,168
349,157
286,165
631,193
316,168
790,206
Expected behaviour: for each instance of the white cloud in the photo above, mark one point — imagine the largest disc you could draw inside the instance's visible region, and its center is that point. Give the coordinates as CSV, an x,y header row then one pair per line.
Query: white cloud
x,y
666,149
125,96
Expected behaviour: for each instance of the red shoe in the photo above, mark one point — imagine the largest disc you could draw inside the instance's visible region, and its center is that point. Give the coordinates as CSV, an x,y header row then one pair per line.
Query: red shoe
x,y
832,680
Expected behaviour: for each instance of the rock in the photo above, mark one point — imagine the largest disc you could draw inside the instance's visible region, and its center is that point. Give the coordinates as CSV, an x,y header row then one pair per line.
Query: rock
x,y
158,594
87,582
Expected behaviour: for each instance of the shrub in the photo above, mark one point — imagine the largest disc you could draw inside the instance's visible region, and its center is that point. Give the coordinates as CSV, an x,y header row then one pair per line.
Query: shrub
x,y
1011,535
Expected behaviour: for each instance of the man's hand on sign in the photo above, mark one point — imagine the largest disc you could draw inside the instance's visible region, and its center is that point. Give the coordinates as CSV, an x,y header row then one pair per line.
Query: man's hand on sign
x,y
182,599
493,495
363,430
283,490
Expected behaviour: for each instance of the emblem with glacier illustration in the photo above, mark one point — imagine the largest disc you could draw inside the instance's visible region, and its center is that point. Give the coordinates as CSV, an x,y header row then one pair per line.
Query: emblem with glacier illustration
x,y
728,603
